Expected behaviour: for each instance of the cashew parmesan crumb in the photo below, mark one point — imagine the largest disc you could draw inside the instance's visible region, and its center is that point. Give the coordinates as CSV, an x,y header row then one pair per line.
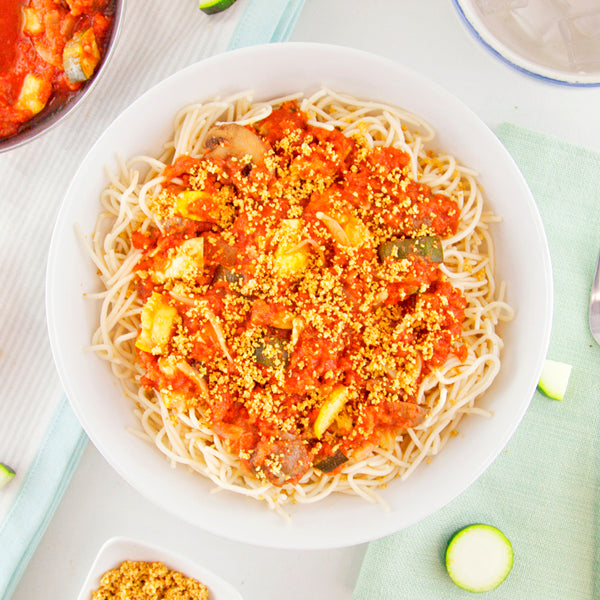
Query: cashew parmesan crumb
x,y
140,580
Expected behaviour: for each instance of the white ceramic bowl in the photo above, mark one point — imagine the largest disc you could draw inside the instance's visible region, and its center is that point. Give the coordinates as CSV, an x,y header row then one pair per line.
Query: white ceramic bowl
x,y
118,549
523,261
549,39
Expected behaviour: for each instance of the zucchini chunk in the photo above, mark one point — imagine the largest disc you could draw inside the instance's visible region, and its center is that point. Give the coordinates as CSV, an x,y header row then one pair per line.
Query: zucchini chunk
x,y
272,352
231,277
429,246
332,462
81,56
555,379
479,558
158,321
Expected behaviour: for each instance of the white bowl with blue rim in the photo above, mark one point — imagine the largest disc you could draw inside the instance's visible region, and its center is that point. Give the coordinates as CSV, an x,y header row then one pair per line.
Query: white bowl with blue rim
x,y
554,40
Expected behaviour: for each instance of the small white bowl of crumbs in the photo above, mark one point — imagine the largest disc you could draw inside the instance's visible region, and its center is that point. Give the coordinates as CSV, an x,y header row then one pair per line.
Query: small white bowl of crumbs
x,y
127,568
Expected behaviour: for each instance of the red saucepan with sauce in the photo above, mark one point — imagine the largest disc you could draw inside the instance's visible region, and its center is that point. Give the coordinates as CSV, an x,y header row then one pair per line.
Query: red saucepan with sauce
x,y
51,53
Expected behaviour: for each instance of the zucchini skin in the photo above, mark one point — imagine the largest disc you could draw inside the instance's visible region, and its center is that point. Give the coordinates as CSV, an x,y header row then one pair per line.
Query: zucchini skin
x,y
332,462
272,352
216,7
231,277
428,246
6,474
463,558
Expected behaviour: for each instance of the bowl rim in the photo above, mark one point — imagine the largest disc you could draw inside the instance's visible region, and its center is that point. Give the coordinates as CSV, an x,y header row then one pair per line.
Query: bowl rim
x,y
373,524
488,40
50,121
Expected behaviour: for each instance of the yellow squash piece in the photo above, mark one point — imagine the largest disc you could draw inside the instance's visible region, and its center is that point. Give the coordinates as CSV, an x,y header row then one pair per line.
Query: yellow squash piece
x,y
34,94
188,261
158,321
345,228
330,409
289,262
177,401
184,200
32,21
168,365
355,229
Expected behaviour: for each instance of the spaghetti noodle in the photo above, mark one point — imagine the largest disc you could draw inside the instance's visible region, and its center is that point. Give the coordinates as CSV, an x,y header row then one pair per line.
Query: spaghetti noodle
x,y
299,297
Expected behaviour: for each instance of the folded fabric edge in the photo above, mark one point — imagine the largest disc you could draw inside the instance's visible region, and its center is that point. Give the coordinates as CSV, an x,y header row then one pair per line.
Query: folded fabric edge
x,y
40,495
506,129
265,21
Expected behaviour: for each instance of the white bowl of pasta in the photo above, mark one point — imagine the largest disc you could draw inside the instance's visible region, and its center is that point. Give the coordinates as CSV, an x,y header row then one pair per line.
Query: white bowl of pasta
x,y
300,298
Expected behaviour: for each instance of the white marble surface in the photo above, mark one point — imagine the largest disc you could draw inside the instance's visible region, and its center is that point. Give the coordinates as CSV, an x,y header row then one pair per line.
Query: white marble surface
x,y
428,37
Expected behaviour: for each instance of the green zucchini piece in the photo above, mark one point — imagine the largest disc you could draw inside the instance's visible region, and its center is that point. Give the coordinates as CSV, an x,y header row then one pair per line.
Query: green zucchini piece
x,y
211,7
231,277
272,352
332,462
428,246
555,379
479,558
6,474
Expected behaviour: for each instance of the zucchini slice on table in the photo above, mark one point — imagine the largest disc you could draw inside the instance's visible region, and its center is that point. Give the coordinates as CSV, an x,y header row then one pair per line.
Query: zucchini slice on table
x,y
6,474
214,6
479,558
555,379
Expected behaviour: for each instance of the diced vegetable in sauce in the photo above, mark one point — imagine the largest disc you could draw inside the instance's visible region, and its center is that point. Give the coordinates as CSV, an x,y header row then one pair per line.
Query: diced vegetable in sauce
x,y
231,277
158,321
188,260
81,56
290,260
272,352
429,247
330,408
34,95
332,462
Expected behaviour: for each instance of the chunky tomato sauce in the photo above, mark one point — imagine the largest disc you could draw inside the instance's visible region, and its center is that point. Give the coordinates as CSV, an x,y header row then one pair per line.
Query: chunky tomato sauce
x,y
293,294
48,50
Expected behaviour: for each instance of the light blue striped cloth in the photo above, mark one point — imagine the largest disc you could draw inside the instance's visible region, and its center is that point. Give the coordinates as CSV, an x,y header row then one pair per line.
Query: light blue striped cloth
x,y
39,434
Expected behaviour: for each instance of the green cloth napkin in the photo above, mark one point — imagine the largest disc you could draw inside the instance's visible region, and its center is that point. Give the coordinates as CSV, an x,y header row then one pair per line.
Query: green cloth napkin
x,y
543,491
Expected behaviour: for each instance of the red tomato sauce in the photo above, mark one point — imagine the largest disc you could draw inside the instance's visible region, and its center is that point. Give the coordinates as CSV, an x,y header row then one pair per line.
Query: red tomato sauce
x,y
299,294
9,31
33,36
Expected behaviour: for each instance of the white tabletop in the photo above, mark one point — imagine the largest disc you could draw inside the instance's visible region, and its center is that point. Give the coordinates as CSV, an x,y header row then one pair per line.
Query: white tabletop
x,y
428,37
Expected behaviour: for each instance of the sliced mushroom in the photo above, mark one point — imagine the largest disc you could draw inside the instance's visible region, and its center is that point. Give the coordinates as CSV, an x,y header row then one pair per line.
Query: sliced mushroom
x,y
283,460
233,142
